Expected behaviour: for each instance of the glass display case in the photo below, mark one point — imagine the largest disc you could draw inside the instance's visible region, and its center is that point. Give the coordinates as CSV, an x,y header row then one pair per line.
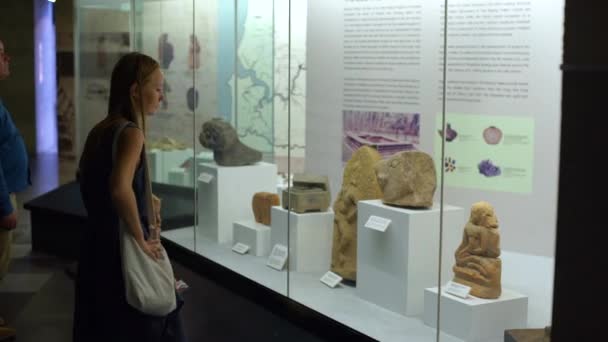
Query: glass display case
x,y
389,164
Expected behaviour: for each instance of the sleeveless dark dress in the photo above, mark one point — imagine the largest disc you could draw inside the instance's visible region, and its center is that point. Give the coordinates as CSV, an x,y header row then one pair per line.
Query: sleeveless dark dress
x,y
101,312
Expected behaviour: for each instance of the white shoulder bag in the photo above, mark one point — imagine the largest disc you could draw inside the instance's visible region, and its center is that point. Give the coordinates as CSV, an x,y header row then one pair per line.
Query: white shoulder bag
x,y
149,283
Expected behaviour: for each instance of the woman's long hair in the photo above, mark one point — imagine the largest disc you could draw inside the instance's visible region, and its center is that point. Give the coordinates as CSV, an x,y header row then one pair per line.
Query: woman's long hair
x,y
131,68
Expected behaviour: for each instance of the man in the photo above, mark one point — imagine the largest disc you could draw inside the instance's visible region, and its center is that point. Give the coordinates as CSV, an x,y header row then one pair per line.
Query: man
x,y
14,177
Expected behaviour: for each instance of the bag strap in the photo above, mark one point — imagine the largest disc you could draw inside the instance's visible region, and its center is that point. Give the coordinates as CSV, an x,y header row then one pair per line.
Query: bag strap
x,y
144,164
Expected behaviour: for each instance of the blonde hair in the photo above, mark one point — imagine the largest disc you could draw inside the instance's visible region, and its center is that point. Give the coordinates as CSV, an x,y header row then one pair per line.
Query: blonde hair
x,y
132,68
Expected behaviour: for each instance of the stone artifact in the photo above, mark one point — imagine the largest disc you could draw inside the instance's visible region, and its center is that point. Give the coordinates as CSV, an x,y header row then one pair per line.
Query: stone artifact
x,y
194,52
261,204
308,193
192,98
220,137
407,179
477,258
167,144
358,183
528,335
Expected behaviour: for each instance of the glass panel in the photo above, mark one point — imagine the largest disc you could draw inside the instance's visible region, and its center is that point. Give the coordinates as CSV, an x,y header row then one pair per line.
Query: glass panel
x,y
502,134
164,30
103,34
373,97
217,57
235,208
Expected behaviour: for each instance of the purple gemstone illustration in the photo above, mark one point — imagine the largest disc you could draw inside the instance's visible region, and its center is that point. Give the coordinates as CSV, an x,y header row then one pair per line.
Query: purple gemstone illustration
x,y
488,169
450,135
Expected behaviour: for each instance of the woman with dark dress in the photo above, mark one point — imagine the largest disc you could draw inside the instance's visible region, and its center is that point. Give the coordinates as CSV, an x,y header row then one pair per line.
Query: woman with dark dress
x,y
113,190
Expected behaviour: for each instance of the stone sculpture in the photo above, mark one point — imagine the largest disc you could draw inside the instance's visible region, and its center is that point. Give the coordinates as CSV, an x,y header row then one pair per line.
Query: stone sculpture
x,y
262,203
358,183
477,258
194,52
228,150
308,193
192,98
407,179
167,144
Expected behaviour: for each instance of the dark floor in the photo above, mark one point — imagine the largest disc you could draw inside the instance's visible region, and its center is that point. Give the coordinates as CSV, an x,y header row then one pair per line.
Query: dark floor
x,y
36,297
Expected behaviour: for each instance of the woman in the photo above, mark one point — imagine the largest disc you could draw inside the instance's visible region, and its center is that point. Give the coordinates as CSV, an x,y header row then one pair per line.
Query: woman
x,y
114,190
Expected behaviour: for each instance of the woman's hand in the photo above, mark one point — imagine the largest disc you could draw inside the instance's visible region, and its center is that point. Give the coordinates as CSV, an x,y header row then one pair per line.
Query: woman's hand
x,y
152,248
156,202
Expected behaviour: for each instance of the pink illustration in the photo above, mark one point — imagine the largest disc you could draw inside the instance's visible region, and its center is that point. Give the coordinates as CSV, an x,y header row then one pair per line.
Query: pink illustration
x,y
388,133
492,135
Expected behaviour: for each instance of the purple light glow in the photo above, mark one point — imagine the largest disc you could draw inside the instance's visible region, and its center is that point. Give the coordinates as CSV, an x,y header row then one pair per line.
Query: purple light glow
x,y
46,76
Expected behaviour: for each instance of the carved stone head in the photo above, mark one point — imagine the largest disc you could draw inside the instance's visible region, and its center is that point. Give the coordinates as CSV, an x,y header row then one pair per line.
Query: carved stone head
x,y
407,179
482,214
218,135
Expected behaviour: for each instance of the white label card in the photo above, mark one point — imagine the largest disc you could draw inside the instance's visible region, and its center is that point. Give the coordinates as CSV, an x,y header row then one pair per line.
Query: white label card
x,y
277,257
240,248
458,290
205,177
377,223
331,279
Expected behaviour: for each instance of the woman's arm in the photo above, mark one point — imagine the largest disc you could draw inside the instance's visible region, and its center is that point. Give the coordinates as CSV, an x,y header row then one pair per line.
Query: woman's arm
x,y
128,152
156,203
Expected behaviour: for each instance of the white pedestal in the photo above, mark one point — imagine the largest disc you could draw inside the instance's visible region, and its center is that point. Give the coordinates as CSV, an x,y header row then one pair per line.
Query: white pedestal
x,y
253,234
179,176
310,238
227,196
475,319
394,267
162,162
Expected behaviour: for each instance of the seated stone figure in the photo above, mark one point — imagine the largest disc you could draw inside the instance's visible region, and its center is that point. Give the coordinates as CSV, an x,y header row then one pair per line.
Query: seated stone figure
x,y
477,258
228,150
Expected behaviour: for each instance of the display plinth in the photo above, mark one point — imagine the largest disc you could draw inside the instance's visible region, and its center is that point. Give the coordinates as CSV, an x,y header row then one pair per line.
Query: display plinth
x,y
395,266
253,234
476,319
179,176
225,193
310,238
162,162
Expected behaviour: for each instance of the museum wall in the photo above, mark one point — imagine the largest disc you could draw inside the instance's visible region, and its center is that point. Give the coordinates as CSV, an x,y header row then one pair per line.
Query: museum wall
x,y
519,92
66,100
